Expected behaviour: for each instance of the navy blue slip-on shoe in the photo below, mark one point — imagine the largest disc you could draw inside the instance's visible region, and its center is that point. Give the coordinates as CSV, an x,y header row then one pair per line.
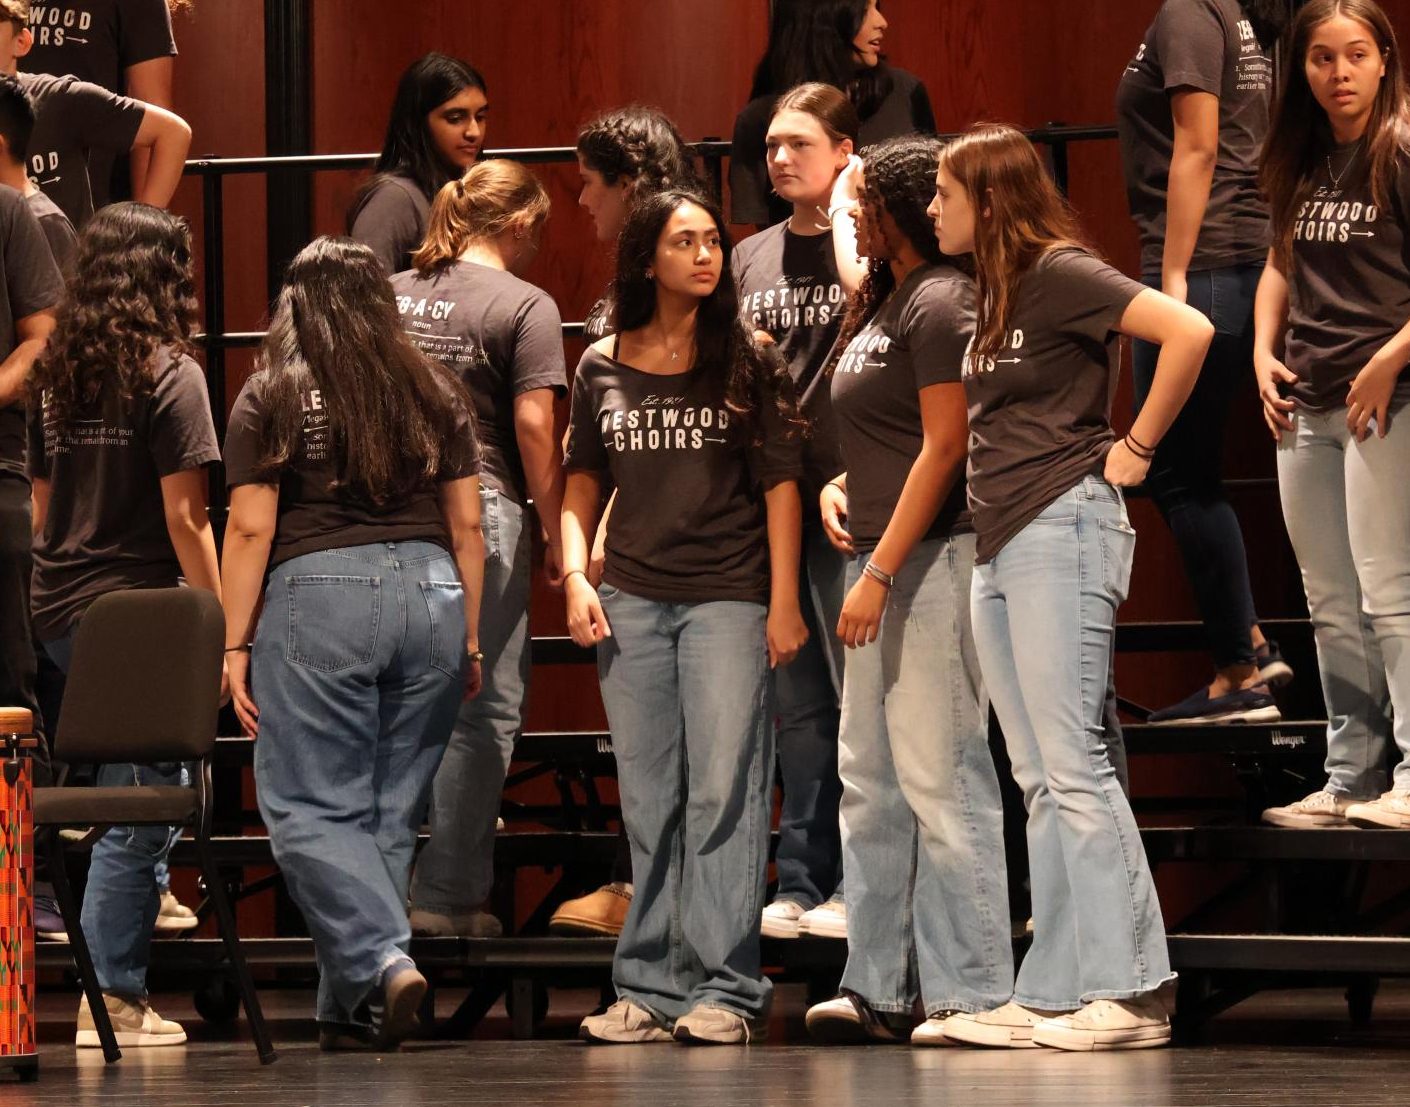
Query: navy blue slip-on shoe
x,y
1249,705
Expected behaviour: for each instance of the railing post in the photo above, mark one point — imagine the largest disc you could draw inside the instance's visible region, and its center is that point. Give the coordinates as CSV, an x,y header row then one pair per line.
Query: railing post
x,y
1058,146
288,128
715,170
213,233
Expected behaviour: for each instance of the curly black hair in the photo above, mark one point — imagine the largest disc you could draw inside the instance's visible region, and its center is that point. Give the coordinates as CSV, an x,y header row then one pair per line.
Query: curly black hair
x,y
900,181
641,144
132,291
754,376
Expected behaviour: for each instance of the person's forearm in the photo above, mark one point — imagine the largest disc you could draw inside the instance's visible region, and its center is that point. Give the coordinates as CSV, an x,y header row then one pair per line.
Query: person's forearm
x,y
1270,310
15,369
151,82
581,499
543,473
1176,371
851,269
165,164
194,543
242,579
469,553
38,505
784,510
932,476
1191,175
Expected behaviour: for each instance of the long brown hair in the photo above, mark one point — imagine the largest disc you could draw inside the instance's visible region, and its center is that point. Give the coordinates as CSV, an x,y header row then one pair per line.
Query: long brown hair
x,y
393,414
490,198
1019,215
828,105
1301,137
132,292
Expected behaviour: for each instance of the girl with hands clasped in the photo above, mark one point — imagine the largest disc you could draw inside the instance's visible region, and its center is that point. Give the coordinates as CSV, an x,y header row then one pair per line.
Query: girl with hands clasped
x,y
1332,338
352,575
922,829
1054,562
698,431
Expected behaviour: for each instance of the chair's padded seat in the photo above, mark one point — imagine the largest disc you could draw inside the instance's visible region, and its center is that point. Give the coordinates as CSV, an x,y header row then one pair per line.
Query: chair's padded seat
x,y
79,806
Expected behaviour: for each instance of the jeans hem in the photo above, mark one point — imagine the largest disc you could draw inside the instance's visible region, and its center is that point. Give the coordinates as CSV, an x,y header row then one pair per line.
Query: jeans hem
x,y
1036,1004
967,1007
1129,993
654,1011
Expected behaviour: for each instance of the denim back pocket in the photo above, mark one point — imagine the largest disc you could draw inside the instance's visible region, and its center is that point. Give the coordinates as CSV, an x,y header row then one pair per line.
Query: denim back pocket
x,y
445,604
333,621
1118,540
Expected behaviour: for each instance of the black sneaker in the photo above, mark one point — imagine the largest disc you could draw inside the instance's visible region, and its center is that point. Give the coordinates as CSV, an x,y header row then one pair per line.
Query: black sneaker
x,y
848,1019
1272,669
1248,705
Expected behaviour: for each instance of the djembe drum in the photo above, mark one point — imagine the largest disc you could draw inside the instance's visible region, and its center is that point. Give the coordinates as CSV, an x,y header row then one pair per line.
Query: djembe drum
x,y
17,1013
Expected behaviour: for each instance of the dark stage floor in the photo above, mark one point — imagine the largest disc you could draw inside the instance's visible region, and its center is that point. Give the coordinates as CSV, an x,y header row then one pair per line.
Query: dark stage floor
x,y
1292,1048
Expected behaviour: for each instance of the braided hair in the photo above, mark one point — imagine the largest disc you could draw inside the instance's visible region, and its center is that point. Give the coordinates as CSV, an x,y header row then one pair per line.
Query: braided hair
x,y
900,181
638,143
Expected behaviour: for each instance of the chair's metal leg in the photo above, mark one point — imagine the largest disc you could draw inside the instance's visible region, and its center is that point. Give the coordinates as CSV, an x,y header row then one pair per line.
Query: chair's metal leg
x,y
78,946
225,918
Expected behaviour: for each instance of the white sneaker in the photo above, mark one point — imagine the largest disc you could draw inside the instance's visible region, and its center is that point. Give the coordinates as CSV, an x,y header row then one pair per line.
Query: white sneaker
x,y
716,1026
1320,809
1108,1024
826,920
1007,1027
135,1024
1391,811
624,1023
173,915
472,924
932,1031
780,919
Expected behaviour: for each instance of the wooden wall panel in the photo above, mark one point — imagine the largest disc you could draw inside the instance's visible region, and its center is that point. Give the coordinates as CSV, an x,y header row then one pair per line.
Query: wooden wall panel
x,y
551,64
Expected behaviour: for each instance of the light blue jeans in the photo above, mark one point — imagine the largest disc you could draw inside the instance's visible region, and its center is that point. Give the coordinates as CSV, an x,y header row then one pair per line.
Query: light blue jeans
x,y
358,669
922,819
809,690
686,690
1044,623
455,872
120,902
1347,509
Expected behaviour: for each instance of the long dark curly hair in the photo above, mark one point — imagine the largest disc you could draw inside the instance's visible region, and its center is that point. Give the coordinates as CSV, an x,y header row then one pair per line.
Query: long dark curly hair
x,y
393,414
132,291
899,181
753,376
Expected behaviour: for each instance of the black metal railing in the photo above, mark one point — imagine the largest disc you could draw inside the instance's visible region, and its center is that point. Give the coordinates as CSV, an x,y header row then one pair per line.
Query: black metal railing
x,y
216,340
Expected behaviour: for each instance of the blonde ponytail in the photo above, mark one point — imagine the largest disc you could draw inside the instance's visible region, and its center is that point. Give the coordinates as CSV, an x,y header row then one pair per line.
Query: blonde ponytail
x,y
490,198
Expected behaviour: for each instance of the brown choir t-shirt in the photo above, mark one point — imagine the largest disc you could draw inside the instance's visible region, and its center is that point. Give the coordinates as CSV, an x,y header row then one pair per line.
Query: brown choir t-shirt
x,y
918,338
689,523
1349,289
1208,46
1040,412
502,336
316,515
106,524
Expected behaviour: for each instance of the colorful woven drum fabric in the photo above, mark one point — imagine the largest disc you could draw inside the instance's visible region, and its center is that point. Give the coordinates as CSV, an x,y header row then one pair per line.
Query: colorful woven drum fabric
x,y
16,904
